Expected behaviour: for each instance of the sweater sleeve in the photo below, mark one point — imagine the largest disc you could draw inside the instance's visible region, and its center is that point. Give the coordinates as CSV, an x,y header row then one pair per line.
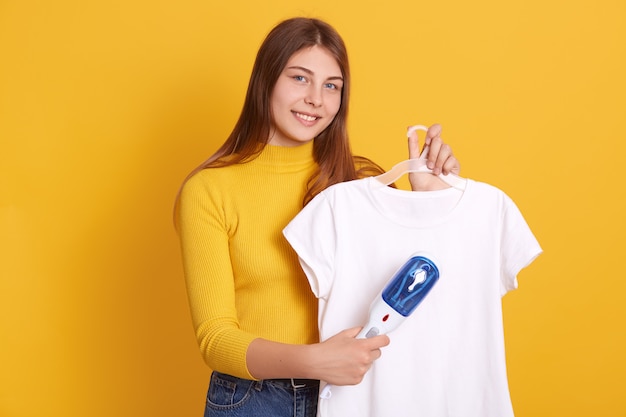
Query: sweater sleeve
x,y
204,238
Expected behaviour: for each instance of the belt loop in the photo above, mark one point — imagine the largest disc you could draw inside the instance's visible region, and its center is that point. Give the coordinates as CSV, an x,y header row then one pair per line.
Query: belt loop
x,y
295,386
258,385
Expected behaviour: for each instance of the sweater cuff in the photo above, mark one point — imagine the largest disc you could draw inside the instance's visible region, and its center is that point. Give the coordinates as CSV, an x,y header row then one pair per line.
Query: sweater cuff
x,y
234,363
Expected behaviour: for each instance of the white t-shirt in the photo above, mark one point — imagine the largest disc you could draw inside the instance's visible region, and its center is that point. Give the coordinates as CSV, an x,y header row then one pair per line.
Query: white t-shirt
x,y
447,358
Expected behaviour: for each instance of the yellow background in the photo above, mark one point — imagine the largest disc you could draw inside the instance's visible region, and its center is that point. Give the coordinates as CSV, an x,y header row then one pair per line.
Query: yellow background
x,y
106,105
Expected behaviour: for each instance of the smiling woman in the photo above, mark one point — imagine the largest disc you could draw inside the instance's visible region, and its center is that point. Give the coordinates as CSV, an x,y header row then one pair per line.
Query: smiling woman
x,y
306,98
253,310
105,106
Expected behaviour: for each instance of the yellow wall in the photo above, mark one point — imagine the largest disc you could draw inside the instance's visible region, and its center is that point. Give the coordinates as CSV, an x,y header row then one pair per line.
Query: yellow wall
x,y
106,105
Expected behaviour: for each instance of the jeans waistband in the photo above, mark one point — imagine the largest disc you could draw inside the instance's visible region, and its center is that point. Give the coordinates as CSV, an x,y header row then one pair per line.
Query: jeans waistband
x,y
294,382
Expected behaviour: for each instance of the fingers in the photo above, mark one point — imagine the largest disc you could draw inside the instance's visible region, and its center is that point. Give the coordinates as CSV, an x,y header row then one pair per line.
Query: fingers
x,y
441,159
434,131
378,342
345,360
451,166
371,351
375,342
437,150
353,332
440,156
372,344
414,146
437,155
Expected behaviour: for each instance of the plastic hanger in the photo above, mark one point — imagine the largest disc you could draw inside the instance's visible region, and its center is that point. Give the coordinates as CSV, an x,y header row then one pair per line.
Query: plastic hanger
x,y
418,165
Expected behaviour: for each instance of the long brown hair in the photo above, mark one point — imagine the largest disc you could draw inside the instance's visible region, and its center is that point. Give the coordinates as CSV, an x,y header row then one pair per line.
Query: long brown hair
x,y
331,148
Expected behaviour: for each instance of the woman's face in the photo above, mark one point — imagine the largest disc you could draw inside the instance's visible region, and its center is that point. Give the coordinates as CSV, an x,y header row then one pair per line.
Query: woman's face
x,y
306,97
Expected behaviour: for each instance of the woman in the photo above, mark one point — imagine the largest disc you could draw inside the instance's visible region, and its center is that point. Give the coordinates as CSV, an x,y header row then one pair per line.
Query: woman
x,y
254,313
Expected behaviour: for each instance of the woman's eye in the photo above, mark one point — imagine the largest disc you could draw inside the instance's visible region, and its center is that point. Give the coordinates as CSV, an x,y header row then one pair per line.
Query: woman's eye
x,y
331,86
299,78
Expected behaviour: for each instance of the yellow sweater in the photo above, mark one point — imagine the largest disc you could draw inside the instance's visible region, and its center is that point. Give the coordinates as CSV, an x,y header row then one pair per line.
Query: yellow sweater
x,y
243,279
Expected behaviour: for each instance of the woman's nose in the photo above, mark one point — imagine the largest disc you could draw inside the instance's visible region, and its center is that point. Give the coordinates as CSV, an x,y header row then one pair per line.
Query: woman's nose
x,y
313,97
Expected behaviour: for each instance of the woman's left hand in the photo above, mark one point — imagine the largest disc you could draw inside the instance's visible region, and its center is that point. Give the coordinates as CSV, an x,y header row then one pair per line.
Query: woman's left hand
x,y
440,159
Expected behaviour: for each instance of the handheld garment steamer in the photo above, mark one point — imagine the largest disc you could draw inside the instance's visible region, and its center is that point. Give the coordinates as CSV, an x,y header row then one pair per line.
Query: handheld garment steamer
x,y
400,297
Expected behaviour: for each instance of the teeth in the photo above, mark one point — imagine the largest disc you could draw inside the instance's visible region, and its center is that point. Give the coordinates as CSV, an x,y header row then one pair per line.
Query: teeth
x,y
305,117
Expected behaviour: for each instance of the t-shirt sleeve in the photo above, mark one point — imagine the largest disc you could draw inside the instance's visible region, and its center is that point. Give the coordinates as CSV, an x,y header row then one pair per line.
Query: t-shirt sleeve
x,y
312,235
519,247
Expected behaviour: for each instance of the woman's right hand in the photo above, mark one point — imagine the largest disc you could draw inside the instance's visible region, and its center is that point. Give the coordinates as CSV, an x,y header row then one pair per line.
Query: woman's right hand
x,y
344,360
340,360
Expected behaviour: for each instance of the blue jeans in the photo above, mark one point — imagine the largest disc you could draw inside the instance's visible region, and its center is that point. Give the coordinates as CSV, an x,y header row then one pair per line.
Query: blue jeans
x,y
230,396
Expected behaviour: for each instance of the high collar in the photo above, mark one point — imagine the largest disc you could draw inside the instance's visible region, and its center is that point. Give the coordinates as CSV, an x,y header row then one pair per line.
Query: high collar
x,y
287,156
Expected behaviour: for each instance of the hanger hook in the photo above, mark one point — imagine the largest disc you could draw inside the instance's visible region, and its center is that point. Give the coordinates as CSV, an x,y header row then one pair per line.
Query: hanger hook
x,y
412,129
